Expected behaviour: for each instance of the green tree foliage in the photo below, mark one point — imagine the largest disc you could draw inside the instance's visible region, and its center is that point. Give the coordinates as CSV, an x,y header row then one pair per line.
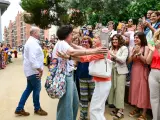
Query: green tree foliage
x,y
139,8
102,10
44,13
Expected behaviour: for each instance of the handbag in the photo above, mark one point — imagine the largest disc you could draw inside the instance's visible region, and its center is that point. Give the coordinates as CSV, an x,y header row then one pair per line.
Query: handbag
x,y
55,82
98,68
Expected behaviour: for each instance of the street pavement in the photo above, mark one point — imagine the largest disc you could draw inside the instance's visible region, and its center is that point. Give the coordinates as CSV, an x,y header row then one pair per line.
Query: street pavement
x,y
13,83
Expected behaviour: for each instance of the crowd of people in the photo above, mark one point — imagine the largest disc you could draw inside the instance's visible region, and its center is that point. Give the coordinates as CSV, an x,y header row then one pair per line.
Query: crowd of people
x,y
6,55
134,51
47,51
130,46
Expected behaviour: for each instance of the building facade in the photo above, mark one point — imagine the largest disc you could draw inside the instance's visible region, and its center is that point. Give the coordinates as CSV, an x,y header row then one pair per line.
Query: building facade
x,y
18,32
3,7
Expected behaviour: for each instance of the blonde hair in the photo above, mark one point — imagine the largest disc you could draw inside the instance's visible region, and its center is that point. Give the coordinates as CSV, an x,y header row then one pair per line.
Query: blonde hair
x,y
76,37
156,35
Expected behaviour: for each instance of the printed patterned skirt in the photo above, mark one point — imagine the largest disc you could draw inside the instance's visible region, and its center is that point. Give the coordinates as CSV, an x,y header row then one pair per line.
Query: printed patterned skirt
x,y
2,60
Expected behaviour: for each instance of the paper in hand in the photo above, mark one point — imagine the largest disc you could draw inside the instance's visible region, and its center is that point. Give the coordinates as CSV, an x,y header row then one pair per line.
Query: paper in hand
x,y
104,36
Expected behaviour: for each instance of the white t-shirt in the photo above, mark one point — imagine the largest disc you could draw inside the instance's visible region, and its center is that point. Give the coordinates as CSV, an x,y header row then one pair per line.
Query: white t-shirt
x,y
63,46
131,37
131,43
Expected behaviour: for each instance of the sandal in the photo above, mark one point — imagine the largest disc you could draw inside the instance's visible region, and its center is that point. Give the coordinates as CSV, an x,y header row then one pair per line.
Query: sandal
x,y
119,115
142,117
134,113
83,118
114,112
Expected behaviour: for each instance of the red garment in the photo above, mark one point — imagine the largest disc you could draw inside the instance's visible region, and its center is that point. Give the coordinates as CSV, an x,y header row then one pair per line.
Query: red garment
x,y
155,60
15,54
90,58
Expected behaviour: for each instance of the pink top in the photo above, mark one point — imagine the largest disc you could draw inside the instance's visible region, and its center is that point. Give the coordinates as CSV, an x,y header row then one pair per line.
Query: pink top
x,y
131,28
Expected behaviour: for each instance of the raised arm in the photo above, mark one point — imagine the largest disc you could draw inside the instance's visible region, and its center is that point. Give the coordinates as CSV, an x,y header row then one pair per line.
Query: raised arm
x,y
144,57
150,26
76,46
81,52
87,58
150,55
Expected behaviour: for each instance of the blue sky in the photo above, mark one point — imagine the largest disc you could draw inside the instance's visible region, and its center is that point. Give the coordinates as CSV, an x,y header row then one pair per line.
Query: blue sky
x,y
10,13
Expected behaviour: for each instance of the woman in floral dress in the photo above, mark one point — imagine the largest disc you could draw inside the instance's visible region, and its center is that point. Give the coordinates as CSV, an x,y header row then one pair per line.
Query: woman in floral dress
x,y
2,56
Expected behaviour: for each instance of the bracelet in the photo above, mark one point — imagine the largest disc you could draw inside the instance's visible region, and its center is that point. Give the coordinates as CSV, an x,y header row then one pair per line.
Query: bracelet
x,y
139,54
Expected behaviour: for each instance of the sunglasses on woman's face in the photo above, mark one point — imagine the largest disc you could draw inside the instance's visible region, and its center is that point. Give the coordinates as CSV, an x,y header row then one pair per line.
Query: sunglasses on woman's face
x,y
85,42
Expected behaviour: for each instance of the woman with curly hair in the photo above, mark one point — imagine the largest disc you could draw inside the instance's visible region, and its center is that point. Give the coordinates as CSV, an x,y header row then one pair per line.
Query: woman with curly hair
x,y
87,85
119,53
76,40
154,77
139,88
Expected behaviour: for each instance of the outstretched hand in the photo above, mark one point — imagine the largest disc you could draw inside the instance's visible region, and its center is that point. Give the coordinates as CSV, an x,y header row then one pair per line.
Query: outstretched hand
x,y
62,55
102,50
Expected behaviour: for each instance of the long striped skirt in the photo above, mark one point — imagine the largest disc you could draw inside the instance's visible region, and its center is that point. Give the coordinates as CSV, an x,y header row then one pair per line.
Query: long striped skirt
x,y
86,91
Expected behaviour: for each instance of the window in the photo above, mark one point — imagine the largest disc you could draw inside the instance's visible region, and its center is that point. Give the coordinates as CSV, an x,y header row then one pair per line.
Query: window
x,y
21,30
21,23
24,36
21,36
15,37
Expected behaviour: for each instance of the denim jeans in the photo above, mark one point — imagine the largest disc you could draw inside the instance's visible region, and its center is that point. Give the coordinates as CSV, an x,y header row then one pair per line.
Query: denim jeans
x,y
68,105
33,84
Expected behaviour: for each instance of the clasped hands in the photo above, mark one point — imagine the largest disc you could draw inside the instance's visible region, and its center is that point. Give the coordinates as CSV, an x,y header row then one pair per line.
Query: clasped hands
x,y
136,51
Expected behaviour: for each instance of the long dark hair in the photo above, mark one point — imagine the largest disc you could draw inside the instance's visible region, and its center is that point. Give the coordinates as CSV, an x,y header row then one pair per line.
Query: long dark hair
x,y
142,37
121,41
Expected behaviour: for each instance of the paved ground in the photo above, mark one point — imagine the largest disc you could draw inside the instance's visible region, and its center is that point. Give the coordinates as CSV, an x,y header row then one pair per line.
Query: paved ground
x,y
12,85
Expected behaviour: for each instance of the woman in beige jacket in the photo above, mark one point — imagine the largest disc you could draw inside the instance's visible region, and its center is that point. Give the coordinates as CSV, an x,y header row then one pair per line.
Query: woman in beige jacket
x,y
119,53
